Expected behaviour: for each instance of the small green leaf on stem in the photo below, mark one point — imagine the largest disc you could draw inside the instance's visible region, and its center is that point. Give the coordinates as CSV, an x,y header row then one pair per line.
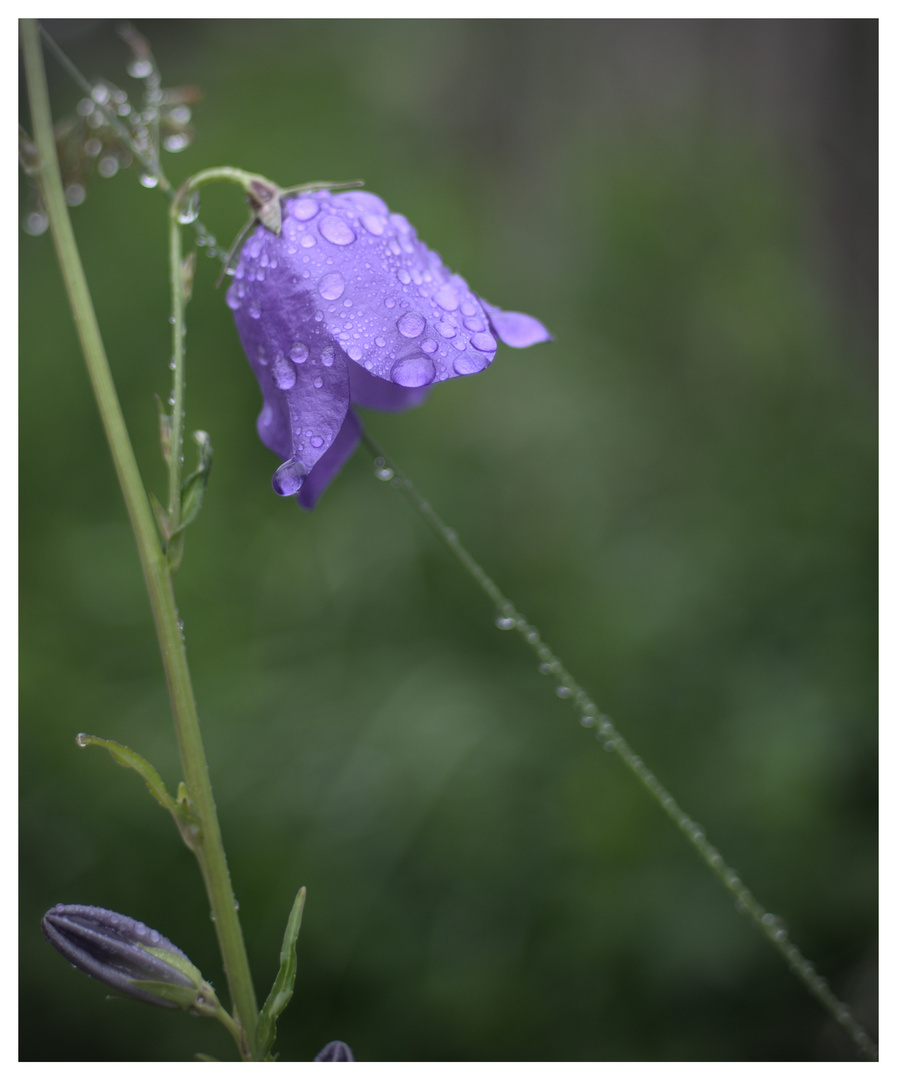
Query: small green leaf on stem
x,y
194,487
282,990
130,759
181,809
161,517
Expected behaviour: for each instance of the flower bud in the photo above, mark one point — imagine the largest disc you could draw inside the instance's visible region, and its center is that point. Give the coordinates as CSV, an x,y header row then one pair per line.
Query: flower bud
x,y
128,956
335,1051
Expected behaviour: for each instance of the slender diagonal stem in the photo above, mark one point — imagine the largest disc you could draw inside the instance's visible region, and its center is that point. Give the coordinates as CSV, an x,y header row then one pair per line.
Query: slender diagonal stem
x,y
509,618
209,846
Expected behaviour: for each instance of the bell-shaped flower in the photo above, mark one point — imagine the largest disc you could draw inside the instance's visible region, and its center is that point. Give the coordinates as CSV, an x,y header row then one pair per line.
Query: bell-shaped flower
x,y
128,956
345,306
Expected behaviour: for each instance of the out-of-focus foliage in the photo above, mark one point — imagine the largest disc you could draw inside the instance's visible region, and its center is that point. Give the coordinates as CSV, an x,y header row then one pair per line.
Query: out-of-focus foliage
x,y
679,491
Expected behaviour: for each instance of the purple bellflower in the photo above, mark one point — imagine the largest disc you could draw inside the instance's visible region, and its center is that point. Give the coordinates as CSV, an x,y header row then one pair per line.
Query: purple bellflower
x,y
345,306
128,956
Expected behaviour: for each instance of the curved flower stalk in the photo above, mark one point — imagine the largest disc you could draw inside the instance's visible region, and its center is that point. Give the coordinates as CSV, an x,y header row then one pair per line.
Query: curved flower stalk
x,y
343,305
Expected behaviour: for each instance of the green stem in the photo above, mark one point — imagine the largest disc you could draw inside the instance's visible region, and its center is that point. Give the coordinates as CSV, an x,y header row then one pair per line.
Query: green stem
x,y
176,442
210,850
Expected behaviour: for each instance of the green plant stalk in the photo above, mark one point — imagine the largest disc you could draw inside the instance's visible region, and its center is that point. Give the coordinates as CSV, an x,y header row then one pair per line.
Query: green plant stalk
x,y
209,847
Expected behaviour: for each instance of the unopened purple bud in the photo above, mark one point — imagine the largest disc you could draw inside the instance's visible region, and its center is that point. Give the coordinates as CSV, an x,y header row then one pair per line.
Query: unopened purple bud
x,y
335,1051
126,955
344,306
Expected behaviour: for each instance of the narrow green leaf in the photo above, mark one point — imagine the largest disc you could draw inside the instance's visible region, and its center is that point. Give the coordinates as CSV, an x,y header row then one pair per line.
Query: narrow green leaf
x,y
162,522
194,487
181,809
282,990
130,759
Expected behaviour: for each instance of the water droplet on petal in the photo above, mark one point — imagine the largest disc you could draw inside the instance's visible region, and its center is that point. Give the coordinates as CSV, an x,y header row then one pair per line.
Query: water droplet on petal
x,y
336,230
305,209
413,371
447,298
284,373
288,478
318,383
411,324
327,356
317,442
485,342
374,223
332,286
469,363
299,353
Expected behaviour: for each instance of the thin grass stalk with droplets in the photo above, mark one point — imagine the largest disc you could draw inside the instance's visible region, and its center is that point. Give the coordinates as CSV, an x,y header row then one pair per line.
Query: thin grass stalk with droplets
x,y
509,618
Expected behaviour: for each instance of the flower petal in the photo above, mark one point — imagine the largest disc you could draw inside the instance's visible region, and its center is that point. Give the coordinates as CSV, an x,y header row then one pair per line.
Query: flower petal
x,y
330,463
516,329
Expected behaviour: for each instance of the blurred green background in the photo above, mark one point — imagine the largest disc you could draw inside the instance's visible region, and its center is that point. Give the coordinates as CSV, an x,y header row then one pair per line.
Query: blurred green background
x,y
679,491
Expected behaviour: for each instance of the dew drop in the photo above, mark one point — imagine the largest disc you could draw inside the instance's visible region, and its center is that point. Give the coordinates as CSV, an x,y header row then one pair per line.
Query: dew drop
x,y
505,622
317,442
336,230
288,478
332,286
411,325
468,363
413,371
148,179
381,470
447,298
178,140
374,223
305,209
75,194
299,353
140,68
189,211
36,223
318,383
284,373
485,342
587,720
563,691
